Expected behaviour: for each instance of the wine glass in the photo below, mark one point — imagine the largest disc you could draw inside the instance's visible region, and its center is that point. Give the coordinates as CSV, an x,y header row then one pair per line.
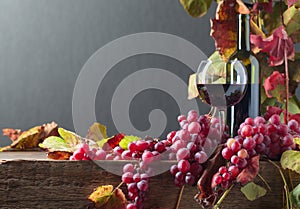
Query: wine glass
x,y
221,85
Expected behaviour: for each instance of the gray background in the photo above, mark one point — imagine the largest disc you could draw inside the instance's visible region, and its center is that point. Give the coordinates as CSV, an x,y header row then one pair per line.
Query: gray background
x,y
45,43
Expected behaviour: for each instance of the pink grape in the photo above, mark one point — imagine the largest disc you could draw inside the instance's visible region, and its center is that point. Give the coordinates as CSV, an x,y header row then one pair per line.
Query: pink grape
x,y
128,168
127,177
183,166
189,179
226,176
181,118
227,153
259,120
246,131
235,146
194,127
100,155
217,179
249,121
174,170
136,177
275,119
182,153
196,169
293,125
132,147
142,185
235,159
234,170
184,135
287,140
192,116
249,143
201,157
147,157
259,138
242,154
132,187
222,170
131,206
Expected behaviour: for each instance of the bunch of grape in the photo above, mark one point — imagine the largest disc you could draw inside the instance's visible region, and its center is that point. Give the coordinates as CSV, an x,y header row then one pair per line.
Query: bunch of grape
x,y
192,145
137,185
85,152
256,136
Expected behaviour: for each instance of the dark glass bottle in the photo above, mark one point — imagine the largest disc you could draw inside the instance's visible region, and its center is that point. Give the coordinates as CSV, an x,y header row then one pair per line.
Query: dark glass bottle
x,y
249,106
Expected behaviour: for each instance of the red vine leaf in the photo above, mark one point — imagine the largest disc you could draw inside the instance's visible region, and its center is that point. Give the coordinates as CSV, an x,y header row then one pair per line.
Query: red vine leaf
x,y
263,6
250,172
272,82
224,29
275,46
291,2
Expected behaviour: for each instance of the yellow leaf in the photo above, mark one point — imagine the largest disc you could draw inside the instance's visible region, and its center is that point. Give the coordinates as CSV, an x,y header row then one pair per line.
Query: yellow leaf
x,y
28,139
101,195
97,132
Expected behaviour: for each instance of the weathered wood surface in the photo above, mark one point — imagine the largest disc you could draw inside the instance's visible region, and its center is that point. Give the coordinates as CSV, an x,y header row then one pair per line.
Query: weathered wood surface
x,y
29,180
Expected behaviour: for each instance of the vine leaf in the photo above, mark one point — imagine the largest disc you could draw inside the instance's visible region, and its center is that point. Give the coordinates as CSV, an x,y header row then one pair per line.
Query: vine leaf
x,y
250,172
253,191
275,46
292,21
13,134
196,8
96,132
107,198
126,140
295,196
291,159
69,137
225,23
55,143
274,85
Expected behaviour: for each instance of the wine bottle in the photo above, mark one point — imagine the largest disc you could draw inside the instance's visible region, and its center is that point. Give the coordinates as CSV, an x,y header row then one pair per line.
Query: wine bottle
x,y
249,106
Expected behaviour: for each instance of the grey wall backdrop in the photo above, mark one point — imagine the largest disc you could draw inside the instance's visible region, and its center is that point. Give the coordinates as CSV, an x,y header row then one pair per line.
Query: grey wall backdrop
x,y
44,45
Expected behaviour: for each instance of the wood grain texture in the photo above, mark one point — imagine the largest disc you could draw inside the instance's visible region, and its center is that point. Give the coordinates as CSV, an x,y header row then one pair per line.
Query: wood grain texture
x,y
66,184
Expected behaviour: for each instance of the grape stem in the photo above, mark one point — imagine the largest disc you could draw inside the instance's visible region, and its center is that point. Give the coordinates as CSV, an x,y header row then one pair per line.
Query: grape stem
x,y
217,205
179,197
120,184
285,186
265,182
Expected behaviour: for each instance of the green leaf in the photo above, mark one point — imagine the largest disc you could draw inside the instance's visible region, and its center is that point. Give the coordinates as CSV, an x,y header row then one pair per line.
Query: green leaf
x,y
70,138
126,140
295,196
272,20
292,21
291,159
253,191
97,132
196,8
54,143
102,142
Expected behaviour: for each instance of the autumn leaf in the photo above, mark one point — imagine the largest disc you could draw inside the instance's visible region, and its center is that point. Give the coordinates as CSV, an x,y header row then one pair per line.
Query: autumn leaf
x,y
28,139
224,28
59,155
13,134
272,110
292,22
272,85
291,159
104,197
97,132
250,172
196,8
69,137
266,6
275,46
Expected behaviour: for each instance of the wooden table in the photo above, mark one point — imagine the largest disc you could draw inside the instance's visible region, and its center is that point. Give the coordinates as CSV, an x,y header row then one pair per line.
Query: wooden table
x,y
30,180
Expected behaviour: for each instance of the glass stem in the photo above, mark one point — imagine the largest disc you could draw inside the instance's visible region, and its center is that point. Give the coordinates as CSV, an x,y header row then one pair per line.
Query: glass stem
x,y
222,122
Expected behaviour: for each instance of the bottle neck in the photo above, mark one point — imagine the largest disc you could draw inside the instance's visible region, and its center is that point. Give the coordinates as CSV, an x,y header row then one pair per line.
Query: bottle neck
x,y
243,37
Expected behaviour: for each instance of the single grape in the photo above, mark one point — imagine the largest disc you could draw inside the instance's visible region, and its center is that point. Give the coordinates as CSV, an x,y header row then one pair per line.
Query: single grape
x,y
271,128
136,177
192,116
226,176
78,154
100,155
132,187
230,141
159,147
145,177
131,206
283,129
181,118
192,147
234,170
126,155
129,167
275,119
127,177
189,179
249,143
217,179
235,146
249,121
179,176
183,166
183,153
222,170
141,145
247,131
262,129
259,120
293,125
287,140
143,185
235,159
194,127
174,170
184,135
242,163
201,157
132,147
243,154
259,138
196,169
227,153
147,157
